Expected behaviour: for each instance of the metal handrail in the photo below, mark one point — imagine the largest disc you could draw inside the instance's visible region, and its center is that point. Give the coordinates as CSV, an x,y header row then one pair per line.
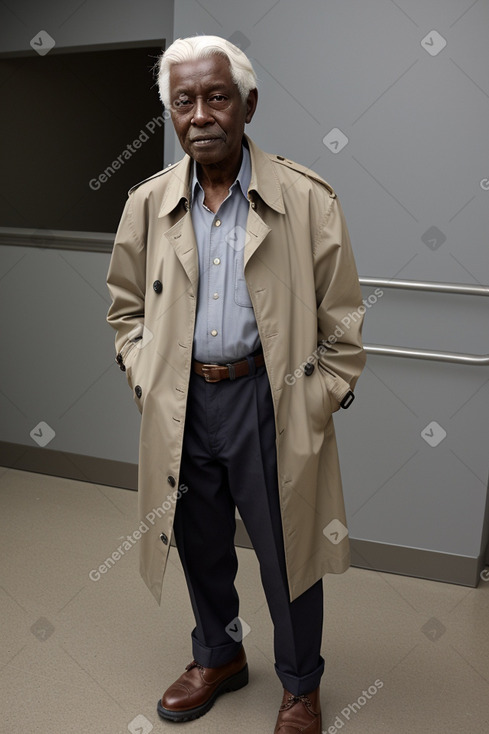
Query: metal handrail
x,y
57,239
456,357
428,285
431,286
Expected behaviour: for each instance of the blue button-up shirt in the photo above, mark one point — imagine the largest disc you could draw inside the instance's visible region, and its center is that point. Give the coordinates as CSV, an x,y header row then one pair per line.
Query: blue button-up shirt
x,y
225,327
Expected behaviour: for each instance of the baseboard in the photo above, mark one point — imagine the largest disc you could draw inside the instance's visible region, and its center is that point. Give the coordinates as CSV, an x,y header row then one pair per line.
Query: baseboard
x,y
425,564
69,465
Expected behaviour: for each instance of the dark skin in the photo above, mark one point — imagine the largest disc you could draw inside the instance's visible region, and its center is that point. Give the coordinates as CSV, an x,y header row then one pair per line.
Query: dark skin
x,y
209,117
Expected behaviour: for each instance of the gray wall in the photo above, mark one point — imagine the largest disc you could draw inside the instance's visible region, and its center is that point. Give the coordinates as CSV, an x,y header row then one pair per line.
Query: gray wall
x,y
415,124
59,367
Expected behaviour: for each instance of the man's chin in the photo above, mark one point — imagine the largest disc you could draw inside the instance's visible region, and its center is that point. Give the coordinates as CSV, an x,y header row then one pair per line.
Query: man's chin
x,y
207,153
207,159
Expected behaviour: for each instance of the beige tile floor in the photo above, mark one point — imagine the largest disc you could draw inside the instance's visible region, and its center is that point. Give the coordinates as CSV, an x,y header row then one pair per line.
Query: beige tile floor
x,y
92,657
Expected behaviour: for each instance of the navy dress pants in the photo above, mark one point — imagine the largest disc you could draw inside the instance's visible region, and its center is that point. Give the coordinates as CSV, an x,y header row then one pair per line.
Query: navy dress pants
x,y
229,461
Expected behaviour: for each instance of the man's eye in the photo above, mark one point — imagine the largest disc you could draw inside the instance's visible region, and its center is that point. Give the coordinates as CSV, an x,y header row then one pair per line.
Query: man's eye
x,y
218,98
181,103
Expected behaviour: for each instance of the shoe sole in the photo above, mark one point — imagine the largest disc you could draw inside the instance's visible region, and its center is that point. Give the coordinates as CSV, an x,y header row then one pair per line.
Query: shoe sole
x,y
233,683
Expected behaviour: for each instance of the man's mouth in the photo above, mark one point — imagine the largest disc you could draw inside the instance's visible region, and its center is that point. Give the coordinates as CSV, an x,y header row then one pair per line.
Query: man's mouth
x,y
201,141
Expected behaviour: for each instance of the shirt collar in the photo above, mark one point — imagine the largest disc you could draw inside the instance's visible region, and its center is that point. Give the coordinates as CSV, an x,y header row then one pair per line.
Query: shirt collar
x,y
242,179
264,181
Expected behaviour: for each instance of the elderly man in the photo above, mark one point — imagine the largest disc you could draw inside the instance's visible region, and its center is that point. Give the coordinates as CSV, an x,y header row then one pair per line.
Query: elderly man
x,y
233,282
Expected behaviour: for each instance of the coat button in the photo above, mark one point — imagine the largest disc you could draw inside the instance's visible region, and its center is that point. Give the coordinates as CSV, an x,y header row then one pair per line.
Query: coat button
x,y
164,538
138,391
157,286
171,481
308,369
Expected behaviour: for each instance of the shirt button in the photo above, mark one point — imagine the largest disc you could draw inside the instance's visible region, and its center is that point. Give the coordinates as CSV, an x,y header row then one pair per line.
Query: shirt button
x,y
215,296
218,222
214,332
217,261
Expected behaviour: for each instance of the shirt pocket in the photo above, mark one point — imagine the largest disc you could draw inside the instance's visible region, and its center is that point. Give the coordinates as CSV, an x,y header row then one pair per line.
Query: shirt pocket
x,y
241,295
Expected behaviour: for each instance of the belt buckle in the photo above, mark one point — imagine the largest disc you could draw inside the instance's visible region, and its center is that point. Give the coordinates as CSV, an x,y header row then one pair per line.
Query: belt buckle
x,y
205,371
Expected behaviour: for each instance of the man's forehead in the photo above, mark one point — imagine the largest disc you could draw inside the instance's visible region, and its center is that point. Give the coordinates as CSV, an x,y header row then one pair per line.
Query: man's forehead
x,y
213,70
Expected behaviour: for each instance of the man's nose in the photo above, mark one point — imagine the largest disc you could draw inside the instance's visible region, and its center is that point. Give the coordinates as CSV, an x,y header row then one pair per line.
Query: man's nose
x,y
201,114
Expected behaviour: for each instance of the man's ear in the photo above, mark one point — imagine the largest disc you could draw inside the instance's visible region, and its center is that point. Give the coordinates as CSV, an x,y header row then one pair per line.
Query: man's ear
x,y
251,103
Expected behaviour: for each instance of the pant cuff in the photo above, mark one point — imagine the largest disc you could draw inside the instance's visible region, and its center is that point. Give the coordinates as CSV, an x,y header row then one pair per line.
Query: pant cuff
x,y
299,686
214,657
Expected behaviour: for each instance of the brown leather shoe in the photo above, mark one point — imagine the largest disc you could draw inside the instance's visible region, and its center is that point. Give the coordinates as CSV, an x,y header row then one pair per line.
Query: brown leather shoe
x,y
194,693
299,714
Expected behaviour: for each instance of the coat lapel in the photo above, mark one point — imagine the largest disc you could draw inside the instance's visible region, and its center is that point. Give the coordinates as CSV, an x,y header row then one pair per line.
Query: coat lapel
x,y
181,237
264,182
181,234
256,230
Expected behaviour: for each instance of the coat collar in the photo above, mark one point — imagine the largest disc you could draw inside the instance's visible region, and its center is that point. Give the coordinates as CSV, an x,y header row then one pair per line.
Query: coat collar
x,y
264,182
178,187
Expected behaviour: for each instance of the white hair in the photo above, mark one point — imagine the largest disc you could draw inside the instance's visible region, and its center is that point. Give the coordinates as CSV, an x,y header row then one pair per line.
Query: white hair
x,y
201,47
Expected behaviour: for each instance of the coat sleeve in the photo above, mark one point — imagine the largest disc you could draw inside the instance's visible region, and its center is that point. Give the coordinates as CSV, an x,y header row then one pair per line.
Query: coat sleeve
x,y
341,356
126,281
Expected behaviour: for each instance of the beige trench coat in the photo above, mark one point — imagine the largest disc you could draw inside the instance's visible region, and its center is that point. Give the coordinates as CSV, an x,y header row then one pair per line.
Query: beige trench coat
x,y
303,285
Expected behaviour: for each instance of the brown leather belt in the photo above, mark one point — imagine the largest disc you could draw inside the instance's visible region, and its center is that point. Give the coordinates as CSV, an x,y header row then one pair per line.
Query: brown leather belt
x,y
218,372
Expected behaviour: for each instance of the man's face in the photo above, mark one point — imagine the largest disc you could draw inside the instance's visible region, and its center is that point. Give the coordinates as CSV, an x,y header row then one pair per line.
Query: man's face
x,y
207,110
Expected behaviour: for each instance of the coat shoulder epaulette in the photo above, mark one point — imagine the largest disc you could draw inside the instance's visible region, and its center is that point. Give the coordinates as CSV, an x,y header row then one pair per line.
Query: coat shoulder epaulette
x,y
155,175
305,171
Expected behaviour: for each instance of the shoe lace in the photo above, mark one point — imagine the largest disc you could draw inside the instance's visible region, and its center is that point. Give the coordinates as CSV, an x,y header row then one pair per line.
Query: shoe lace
x,y
292,700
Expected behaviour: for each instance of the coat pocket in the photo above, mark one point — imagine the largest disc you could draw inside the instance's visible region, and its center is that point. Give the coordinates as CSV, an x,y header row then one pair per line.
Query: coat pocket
x,y
134,377
333,403
128,355
317,401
